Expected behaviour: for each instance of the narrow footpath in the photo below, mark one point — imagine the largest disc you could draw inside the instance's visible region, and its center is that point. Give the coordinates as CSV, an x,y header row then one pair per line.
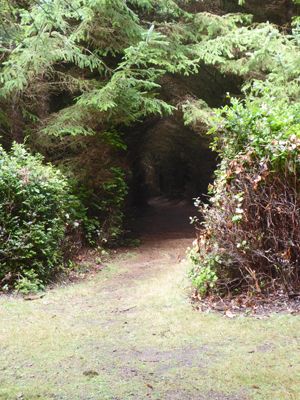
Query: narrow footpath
x,y
130,332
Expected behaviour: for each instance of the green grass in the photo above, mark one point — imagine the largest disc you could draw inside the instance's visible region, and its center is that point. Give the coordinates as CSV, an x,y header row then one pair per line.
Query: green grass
x,y
114,337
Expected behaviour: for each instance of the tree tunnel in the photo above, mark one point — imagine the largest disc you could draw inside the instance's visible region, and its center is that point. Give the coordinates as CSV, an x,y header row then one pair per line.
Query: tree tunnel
x,y
168,158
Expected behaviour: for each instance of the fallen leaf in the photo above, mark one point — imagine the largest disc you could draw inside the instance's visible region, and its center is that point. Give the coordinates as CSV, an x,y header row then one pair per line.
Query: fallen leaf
x,y
239,301
255,387
34,297
150,386
287,254
229,314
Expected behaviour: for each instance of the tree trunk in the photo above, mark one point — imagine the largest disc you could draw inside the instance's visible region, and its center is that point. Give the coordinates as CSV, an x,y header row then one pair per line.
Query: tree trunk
x,y
17,124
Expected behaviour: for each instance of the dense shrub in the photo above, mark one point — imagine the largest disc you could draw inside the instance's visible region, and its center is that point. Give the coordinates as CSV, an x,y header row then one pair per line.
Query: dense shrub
x,y
94,167
251,235
35,210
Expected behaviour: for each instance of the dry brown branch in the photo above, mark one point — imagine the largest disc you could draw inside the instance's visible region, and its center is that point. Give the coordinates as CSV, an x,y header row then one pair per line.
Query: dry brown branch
x,y
262,248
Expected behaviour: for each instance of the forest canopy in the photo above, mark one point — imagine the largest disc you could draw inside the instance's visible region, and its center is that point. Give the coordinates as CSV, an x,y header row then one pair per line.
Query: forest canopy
x,y
79,77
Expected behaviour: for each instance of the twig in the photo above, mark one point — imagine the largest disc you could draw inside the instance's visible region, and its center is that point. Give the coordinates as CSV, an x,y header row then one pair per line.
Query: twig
x,y
127,309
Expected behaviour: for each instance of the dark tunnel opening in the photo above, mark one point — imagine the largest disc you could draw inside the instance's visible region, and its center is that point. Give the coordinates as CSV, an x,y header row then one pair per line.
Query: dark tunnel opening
x,y
169,159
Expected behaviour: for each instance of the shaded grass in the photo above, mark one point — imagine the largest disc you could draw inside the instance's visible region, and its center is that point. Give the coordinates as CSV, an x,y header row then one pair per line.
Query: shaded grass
x,y
112,337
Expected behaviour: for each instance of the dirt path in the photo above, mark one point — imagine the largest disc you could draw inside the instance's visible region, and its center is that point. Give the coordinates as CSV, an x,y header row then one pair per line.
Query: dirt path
x,y
164,229
129,332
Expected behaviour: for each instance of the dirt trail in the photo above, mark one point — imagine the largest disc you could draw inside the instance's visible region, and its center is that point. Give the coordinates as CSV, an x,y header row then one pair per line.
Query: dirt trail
x,y
165,227
130,332
165,219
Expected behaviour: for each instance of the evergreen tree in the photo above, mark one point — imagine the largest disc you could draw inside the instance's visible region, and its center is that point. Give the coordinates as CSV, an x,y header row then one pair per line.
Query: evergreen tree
x,y
73,71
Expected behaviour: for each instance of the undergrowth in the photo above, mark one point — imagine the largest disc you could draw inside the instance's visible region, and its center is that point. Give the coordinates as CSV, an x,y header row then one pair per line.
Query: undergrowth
x,y
250,239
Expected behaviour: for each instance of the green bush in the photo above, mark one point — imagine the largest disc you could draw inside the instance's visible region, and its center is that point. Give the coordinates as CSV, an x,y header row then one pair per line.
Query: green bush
x,y
104,202
203,271
36,209
95,167
251,235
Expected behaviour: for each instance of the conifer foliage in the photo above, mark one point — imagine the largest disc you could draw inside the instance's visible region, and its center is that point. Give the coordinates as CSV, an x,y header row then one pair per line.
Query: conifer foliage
x,y
75,73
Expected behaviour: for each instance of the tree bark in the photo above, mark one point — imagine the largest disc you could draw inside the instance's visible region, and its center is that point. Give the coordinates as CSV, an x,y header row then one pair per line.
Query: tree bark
x,y
18,124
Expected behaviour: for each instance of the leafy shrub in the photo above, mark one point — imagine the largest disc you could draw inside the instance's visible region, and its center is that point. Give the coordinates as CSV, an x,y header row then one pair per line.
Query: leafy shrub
x,y
94,167
251,236
28,282
36,208
105,204
203,271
